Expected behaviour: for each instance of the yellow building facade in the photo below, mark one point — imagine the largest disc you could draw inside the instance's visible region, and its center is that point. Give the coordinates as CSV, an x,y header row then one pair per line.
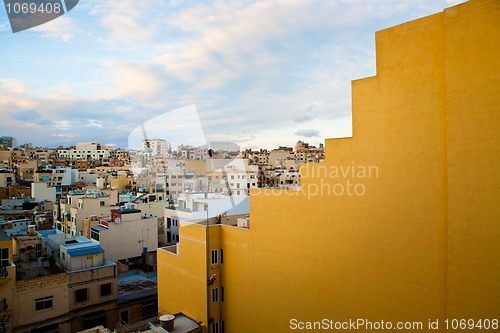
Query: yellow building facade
x,y
7,278
400,223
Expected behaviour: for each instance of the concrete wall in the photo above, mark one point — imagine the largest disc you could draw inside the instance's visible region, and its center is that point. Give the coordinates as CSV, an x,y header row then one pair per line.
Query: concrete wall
x,y
92,279
28,290
43,192
127,239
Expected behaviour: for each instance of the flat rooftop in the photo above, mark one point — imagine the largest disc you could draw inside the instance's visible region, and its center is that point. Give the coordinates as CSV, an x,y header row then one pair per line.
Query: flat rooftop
x,y
136,284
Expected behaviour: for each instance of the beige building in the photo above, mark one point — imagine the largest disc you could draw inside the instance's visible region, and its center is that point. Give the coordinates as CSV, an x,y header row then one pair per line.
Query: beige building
x,y
278,157
68,297
41,300
126,234
7,178
91,204
199,167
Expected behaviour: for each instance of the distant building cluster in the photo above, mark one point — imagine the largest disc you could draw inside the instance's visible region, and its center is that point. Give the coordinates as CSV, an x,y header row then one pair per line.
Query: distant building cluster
x,y
85,222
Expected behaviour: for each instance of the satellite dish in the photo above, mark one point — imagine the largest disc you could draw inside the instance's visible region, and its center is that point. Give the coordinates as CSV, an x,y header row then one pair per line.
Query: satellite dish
x,y
118,220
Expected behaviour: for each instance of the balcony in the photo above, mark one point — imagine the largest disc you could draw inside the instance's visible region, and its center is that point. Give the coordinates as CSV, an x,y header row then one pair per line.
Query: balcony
x,y
174,249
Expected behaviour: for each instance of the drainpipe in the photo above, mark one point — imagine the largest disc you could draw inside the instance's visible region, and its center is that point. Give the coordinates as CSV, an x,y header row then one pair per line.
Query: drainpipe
x,y
208,263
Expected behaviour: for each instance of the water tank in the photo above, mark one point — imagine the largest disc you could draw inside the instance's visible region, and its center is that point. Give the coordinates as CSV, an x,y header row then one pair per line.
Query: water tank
x,y
167,322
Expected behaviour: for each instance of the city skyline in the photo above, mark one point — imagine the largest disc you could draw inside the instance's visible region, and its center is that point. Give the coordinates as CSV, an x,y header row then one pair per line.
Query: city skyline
x,y
272,74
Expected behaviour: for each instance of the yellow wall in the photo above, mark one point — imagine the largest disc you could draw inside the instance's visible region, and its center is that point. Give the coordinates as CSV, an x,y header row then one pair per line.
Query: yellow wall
x,y
8,243
8,283
420,242
119,183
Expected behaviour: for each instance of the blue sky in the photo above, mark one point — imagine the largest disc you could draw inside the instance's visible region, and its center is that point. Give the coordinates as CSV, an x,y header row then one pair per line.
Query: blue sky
x,y
259,73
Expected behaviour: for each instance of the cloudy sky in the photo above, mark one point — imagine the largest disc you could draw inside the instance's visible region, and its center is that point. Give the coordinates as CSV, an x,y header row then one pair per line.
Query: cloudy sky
x,y
256,73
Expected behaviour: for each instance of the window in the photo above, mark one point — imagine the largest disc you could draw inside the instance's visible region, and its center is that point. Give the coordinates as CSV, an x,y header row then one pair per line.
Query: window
x,y
215,295
94,235
38,250
4,257
221,256
149,309
54,328
81,295
222,294
106,289
215,327
101,203
215,254
43,303
125,317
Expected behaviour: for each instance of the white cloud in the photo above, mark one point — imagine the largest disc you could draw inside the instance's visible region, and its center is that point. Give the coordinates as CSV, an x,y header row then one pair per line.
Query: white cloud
x,y
124,27
263,68
63,28
14,85
139,81
308,133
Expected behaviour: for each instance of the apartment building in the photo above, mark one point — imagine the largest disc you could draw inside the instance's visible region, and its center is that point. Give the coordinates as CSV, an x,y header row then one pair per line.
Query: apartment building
x,y
127,233
78,205
97,203
202,206
8,142
43,192
417,235
7,178
85,150
278,156
155,147
186,152
43,295
64,176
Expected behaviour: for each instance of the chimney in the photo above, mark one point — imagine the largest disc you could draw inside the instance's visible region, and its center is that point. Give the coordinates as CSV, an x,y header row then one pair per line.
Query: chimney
x,y
31,230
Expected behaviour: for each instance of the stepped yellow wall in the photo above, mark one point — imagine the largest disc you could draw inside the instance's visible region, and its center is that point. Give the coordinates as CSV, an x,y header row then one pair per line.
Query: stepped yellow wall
x,y
418,240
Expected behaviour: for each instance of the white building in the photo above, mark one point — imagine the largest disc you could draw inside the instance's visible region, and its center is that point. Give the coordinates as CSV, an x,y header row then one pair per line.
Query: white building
x,y
43,192
85,150
63,176
201,206
155,147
